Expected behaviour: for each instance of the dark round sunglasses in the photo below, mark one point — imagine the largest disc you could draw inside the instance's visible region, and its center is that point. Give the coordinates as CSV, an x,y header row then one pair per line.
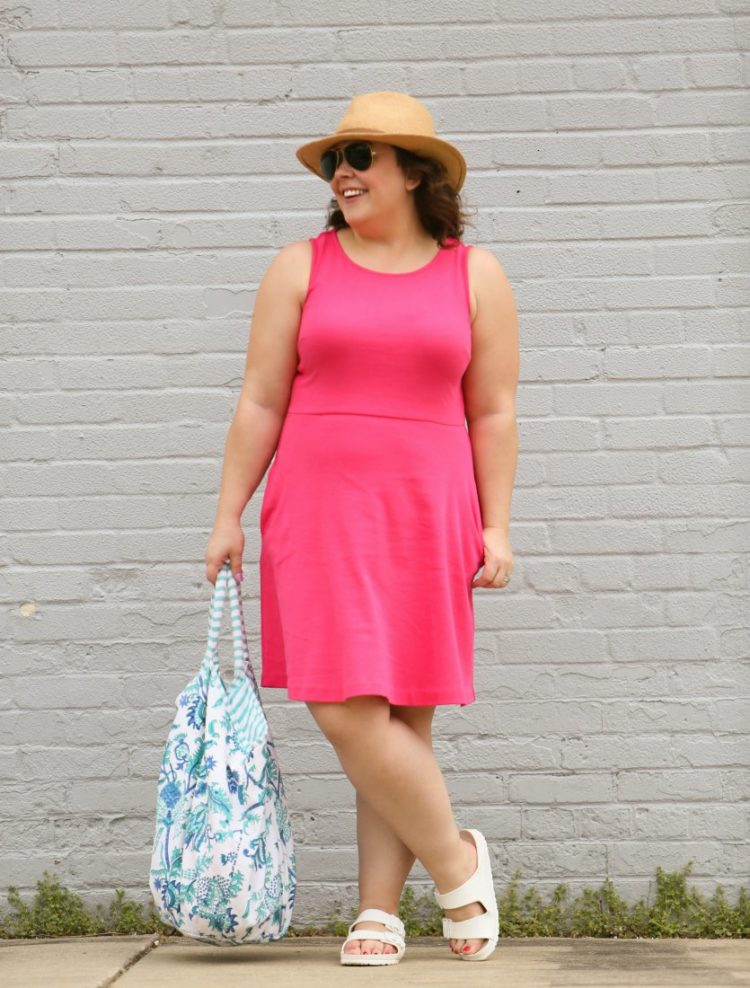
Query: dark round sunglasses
x,y
358,154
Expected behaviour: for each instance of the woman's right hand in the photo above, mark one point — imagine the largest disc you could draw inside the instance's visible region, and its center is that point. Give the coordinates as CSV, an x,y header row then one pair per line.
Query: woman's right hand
x,y
226,542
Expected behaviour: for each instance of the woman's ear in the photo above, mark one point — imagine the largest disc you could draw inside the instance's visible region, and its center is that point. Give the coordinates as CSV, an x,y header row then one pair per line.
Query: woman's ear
x,y
413,181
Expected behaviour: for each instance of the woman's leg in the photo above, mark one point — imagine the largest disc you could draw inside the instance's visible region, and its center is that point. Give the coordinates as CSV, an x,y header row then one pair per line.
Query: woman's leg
x,y
384,860
396,771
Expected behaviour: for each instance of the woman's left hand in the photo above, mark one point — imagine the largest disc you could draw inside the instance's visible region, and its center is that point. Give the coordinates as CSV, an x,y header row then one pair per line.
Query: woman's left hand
x,y
498,560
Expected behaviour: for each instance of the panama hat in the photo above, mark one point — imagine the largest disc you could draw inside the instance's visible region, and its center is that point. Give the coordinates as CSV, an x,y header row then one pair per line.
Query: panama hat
x,y
391,118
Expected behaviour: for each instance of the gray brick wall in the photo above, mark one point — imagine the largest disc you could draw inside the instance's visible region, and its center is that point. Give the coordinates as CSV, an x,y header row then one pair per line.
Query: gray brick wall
x,y
147,177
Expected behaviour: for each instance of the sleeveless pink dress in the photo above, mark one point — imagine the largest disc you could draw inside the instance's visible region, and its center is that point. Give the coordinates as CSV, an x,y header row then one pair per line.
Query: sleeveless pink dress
x,y
371,529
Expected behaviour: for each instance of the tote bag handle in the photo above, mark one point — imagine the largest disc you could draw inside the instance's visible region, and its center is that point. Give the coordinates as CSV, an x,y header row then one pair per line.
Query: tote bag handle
x,y
226,586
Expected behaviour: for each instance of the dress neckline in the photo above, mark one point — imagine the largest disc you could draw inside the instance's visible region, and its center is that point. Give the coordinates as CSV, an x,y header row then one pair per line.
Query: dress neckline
x,y
388,274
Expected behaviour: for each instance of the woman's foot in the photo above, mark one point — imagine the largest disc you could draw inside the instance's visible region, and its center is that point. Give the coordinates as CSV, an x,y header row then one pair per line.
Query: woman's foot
x,y
474,908
369,946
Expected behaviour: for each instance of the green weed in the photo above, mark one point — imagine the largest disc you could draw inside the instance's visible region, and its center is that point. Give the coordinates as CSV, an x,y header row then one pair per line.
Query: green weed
x,y
677,911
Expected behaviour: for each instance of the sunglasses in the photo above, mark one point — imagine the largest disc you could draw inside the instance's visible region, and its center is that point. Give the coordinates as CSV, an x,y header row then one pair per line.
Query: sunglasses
x,y
358,154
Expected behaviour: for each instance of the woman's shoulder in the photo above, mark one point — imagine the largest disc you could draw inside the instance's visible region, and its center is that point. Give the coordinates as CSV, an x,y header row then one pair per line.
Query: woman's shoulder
x,y
301,251
291,266
487,275
296,249
483,259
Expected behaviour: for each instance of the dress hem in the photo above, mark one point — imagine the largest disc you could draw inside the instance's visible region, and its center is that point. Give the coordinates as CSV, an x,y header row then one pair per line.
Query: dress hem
x,y
411,699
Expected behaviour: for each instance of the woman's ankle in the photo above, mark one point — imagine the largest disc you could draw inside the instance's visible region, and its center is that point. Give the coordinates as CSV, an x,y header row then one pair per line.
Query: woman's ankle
x,y
377,904
463,866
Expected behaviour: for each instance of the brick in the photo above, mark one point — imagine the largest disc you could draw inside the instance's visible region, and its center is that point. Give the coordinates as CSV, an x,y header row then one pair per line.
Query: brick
x,y
564,788
549,823
644,857
687,785
575,860
603,823
640,716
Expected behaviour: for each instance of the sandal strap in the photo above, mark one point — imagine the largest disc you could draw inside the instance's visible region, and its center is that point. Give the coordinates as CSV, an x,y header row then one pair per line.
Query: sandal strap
x,y
484,927
392,938
474,889
394,923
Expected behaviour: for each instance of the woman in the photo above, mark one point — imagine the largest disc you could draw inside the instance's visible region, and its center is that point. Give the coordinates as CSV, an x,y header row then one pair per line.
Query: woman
x,y
372,346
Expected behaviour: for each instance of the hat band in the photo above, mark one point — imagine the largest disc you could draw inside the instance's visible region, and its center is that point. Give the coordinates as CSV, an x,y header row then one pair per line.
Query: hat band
x,y
360,130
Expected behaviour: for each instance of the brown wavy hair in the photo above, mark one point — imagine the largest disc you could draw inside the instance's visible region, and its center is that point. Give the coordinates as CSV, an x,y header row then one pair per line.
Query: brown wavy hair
x,y
440,209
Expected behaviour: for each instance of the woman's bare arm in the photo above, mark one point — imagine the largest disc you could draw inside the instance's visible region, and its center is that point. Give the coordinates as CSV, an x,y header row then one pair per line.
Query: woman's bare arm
x,y
270,368
490,385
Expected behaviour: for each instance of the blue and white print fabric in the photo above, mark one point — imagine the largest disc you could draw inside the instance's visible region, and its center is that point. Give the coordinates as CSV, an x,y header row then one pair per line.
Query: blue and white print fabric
x,y
223,867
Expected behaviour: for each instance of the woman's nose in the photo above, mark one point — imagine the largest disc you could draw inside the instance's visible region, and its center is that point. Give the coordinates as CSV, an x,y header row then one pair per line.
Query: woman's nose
x,y
343,168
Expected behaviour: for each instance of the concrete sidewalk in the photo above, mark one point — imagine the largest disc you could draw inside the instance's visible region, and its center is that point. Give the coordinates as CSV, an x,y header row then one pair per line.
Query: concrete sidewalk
x,y
313,962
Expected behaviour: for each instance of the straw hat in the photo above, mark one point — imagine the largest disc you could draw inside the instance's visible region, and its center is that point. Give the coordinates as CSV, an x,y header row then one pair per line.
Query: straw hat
x,y
391,118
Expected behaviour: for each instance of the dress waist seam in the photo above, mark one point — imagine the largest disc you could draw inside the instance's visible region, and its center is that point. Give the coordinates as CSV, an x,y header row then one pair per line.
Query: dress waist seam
x,y
379,415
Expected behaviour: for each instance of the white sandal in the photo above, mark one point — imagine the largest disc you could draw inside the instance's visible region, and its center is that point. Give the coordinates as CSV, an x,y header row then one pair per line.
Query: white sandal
x,y
478,888
394,935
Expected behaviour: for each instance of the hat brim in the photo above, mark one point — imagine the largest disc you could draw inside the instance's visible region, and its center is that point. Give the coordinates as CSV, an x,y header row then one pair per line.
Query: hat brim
x,y
429,147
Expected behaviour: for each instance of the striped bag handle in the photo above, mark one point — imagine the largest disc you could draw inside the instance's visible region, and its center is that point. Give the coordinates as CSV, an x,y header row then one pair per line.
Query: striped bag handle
x,y
226,586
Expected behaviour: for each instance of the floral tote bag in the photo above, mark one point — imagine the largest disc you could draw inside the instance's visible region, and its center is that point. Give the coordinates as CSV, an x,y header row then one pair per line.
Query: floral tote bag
x,y
223,866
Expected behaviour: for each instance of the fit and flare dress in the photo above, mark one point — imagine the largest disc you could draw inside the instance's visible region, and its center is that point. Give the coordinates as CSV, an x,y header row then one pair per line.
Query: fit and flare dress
x,y
371,529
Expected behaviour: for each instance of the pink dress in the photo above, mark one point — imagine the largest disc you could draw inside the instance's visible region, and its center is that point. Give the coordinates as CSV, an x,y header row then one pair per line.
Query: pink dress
x,y
371,529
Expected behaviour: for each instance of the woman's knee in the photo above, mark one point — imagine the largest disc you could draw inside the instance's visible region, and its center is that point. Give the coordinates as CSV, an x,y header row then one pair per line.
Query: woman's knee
x,y
350,718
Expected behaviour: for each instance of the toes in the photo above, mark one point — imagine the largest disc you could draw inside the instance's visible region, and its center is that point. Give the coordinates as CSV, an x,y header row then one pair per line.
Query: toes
x,y
474,946
378,947
369,947
457,946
